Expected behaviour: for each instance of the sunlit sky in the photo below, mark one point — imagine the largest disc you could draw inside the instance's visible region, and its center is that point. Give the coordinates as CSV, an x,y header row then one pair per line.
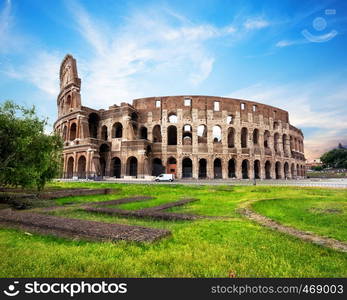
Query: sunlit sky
x,y
290,54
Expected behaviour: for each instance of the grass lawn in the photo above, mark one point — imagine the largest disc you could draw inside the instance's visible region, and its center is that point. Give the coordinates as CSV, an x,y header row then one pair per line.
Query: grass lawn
x,y
201,248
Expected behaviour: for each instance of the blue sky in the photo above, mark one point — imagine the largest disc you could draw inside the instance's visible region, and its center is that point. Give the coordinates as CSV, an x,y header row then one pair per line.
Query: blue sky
x,y
290,54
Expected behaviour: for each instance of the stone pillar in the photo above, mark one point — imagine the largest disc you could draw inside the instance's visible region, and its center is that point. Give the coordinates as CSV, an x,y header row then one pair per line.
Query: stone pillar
x,y
195,170
238,163
210,173
251,169
224,169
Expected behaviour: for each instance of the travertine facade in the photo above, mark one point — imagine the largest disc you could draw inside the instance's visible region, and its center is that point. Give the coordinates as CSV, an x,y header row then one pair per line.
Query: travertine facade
x,y
190,136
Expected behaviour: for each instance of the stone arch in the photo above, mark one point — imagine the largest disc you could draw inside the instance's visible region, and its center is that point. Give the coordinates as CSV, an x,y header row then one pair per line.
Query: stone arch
x,y
284,144
297,170
217,134
217,168
117,130
93,122
104,133
244,137
157,167
267,139
143,133
202,168
171,165
131,167
202,134
70,167
81,167
187,137
267,169
256,136
156,133
104,152
116,167
292,170
172,135
232,168
172,118
231,137
286,170
245,169
278,170
73,131
68,103
187,167
65,133
256,167
276,142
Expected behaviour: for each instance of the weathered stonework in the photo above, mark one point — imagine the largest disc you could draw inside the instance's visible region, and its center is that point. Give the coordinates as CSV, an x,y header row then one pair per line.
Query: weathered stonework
x,y
190,136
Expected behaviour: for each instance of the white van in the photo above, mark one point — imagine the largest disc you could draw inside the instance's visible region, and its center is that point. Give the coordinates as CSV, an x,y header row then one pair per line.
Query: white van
x,y
164,177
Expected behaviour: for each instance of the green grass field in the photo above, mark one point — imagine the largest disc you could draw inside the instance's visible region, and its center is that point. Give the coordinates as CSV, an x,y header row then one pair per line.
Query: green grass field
x,y
201,248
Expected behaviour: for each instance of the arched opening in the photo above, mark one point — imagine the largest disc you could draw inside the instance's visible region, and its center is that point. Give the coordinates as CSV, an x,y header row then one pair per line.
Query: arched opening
x,y
187,138
157,167
278,170
267,170
217,134
116,167
187,168
276,142
255,136
172,118
117,130
275,125
93,122
202,168
230,119
244,133
267,139
231,137
171,165
256,169
297,170
64,133
132,166
70,165
217,168
286,170
232,168
202,134
104,152
284,143
68,103
292,171
134,117
156,134
172,135
73,131
104,134
82,167
245,168
143,133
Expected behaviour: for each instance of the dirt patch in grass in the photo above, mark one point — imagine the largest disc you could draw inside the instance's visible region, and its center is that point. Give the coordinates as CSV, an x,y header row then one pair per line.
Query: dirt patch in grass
x,y
79,229
306,236
155,212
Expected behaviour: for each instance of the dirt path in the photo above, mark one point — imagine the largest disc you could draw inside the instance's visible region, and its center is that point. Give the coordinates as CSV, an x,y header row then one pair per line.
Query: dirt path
x,y
306,236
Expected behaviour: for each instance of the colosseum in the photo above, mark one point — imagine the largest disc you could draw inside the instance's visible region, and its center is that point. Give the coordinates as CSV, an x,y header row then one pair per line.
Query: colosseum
x,y
188,136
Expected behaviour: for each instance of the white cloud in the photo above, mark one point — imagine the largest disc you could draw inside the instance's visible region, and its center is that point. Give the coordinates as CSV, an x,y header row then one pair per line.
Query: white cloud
x,y
326,117
256,23
156,43
42,72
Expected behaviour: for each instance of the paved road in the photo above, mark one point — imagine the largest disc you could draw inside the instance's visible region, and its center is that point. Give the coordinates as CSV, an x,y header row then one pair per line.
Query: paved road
x,y
334,183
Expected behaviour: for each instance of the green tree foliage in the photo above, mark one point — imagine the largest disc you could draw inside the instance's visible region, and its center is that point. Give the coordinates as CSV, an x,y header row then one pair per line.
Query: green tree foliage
x,y
28,156
336,158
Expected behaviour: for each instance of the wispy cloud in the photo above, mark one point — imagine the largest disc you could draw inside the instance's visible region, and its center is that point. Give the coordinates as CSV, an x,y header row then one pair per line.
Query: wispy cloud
x,y
256,23
286,43
151,41
325,117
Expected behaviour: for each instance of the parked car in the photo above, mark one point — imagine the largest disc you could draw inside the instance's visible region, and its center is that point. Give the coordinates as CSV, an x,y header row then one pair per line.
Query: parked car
x,y
164,177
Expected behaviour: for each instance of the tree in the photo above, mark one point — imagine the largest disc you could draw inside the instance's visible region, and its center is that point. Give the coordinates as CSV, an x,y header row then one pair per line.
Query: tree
x,y
28,156
336,158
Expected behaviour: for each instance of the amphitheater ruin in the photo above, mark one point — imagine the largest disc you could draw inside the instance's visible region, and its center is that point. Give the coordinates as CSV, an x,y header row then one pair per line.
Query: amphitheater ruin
x,y
200,137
